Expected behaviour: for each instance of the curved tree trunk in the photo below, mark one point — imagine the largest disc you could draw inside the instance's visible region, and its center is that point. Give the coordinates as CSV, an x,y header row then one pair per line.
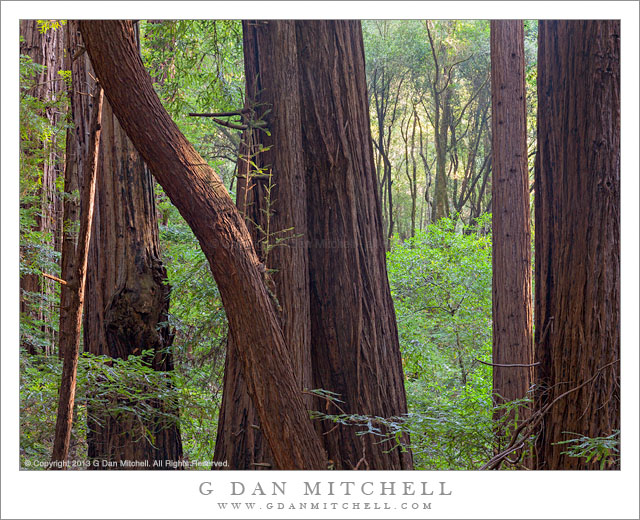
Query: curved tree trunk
x,y
272,196
577,249
371,382
512,298
198,193
354,346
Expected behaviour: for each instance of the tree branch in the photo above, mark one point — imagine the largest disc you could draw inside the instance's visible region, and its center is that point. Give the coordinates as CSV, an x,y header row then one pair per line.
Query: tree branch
x,y
504,365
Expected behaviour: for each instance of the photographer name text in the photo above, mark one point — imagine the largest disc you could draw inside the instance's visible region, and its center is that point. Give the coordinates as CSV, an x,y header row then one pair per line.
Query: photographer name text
x,y
327,488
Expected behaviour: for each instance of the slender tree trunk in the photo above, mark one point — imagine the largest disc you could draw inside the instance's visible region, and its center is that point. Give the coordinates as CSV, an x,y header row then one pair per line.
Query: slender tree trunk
x,y
272,194
427,175
512,297
442,118
414,175
198,193
75,154
410,165
71,326
354,345
577,249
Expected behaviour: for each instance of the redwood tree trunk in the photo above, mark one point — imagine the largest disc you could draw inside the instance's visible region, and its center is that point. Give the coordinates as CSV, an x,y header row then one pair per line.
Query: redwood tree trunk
x,y
577,249
198,193
512,298
76,152
71,320
354,345
45,49
129,299
272,196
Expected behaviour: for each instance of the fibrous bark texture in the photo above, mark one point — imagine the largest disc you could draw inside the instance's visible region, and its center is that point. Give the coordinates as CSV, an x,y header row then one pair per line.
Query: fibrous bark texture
x,y
126,311
272,196
71,321
45,49
577,239
512,297
354,340
198,193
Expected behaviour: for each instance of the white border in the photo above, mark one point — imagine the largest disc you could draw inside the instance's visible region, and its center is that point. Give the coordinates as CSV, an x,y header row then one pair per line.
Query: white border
x,y
175,495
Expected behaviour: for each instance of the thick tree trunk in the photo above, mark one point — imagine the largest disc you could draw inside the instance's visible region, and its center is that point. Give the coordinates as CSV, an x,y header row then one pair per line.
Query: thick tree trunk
x,y
354,345
272,195
45,49
198,193
577,249
71,325
512,297
127,310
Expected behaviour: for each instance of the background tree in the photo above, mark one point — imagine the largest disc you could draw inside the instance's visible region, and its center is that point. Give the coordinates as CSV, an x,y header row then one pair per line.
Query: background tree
x,y
387,73
512,297
41,159
577,241
436,74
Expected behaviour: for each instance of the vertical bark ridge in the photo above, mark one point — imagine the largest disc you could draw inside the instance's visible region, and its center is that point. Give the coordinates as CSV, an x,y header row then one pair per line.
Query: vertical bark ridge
x,y
577,319
276,181
354,344
512,297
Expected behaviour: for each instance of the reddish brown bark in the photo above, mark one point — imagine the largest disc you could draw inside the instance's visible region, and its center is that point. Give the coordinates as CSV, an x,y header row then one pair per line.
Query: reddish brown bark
x,y
198,193
71,326
354,345
577,249
270,75
512,297
272,196
76,152
126,281
45,49
127,312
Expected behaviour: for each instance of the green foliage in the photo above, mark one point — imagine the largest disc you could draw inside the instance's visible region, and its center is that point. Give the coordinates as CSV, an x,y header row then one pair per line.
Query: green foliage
x,y
39,380
197,66
430,71
48,25
42,142
200,326
119,388
441,284
604,450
